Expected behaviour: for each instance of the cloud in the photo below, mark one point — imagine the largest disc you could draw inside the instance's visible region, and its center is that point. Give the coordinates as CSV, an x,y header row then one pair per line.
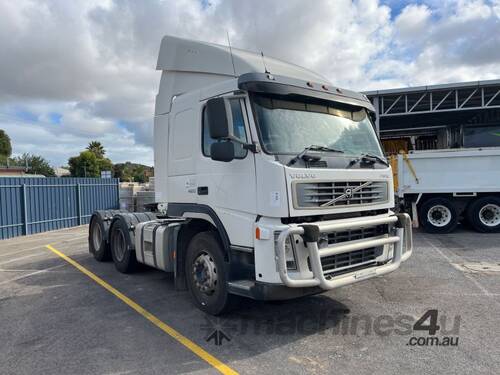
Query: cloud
x,y
412,21
75,71
458,42
57,142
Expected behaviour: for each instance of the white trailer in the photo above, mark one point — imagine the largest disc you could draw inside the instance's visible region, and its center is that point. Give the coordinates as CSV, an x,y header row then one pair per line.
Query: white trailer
x,y
270,183
443,187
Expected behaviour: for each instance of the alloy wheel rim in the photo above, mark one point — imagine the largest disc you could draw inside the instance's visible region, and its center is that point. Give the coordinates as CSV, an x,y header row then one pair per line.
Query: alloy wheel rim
x,y
204,273
119,245
96,236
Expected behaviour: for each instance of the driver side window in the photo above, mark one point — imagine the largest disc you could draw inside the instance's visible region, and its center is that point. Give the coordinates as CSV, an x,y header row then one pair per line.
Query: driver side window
x,y
238,130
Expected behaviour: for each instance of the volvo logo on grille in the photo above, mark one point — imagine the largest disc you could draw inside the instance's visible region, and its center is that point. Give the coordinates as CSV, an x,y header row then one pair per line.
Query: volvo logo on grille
x,y
348,193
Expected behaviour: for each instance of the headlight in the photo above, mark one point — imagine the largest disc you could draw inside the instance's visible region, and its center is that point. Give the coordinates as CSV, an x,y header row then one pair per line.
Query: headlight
x,y
291,263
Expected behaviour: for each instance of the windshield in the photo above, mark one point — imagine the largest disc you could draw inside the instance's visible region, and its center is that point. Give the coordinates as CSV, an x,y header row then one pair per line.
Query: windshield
x,y
287,127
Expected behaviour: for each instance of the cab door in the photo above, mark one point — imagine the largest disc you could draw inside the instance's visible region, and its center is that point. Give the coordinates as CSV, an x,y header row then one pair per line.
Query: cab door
x,y
229,188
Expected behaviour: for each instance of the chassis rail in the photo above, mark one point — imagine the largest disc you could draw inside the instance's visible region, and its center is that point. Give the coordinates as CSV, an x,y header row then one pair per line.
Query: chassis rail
x,y
310,232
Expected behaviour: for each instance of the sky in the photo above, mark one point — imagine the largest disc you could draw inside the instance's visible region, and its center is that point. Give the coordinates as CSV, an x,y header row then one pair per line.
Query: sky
x,y
82,70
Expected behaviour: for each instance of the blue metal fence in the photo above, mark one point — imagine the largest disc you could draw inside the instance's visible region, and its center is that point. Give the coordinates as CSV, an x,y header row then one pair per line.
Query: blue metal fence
x,y
34,205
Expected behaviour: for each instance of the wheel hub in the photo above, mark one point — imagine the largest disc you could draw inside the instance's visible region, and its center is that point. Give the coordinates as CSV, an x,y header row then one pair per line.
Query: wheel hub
x,y
96,236
439,216
119,245
205,273
490,215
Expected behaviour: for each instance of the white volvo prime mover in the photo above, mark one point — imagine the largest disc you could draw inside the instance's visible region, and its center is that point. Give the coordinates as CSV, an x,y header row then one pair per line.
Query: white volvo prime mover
x,y
270,183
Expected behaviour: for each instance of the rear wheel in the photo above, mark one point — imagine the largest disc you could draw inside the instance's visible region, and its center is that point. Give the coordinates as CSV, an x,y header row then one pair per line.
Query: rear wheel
x,y
122,247
97,242
98,233
206,274
438,215
484,214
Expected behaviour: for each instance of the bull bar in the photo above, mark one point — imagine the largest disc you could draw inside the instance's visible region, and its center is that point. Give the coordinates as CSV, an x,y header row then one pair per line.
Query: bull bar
x,y
310,234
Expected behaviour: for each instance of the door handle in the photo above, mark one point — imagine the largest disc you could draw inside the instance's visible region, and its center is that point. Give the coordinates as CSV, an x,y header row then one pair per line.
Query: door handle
x,y
202,190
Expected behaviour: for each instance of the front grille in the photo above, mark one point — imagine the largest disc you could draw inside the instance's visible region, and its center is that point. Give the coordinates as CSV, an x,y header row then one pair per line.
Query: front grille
x,y
339,193
337,262
357,234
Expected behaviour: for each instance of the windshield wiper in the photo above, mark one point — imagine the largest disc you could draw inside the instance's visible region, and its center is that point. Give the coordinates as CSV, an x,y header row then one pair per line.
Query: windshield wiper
x,y
303,153
369,159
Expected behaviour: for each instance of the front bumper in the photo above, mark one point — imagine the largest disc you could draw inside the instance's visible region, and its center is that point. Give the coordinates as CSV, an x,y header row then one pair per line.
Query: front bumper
x,y
401,241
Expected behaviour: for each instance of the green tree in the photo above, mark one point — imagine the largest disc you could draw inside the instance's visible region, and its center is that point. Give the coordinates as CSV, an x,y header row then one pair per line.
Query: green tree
x,y
105,164
87,164
132,172
97,148
139,174
84,165
34,164
121,171
5,147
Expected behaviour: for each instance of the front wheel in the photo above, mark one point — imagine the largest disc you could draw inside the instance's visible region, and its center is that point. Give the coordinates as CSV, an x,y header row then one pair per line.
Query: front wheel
x,y
438,215
484,214
206,274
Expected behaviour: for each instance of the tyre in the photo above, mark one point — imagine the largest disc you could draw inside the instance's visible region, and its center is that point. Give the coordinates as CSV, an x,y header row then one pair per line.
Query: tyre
x,y
98,245
438,215
122,245
484,214
98,234
206,274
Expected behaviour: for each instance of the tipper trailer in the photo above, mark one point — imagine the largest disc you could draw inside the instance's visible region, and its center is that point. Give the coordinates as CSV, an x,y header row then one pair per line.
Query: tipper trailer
x,y
442,187
270,183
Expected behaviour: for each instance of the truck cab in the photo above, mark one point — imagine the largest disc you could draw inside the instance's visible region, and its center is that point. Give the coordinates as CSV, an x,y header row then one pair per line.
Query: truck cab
x,y
271,179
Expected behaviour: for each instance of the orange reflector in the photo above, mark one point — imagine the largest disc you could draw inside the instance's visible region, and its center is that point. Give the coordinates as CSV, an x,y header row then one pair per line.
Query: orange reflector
x,y
257,233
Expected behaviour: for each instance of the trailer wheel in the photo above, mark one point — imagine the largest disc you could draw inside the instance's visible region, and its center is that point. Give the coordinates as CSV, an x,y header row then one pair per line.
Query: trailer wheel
x,y
122,246
484,214
206,274
438,215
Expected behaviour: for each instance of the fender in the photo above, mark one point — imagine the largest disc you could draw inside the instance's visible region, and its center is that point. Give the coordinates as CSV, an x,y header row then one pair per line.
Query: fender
x,y
200,211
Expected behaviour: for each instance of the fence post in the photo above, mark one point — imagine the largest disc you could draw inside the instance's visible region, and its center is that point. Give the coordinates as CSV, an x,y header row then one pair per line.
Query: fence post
x,y
79,203
118,193
25,210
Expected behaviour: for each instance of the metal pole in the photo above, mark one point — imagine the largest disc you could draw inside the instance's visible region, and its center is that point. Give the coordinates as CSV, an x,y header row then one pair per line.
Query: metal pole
x,y
79,203
25,210
117,193
377,113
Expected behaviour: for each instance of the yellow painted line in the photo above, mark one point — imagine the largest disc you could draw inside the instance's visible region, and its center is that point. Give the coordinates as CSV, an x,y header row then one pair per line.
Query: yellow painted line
x,y
196,349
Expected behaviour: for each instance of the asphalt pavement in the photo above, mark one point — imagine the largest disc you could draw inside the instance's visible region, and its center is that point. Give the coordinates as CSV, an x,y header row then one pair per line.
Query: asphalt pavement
x,y
56,319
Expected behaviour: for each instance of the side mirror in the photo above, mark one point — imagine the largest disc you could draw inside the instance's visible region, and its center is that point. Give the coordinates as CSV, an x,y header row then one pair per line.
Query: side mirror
x,y
220,119
222,151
